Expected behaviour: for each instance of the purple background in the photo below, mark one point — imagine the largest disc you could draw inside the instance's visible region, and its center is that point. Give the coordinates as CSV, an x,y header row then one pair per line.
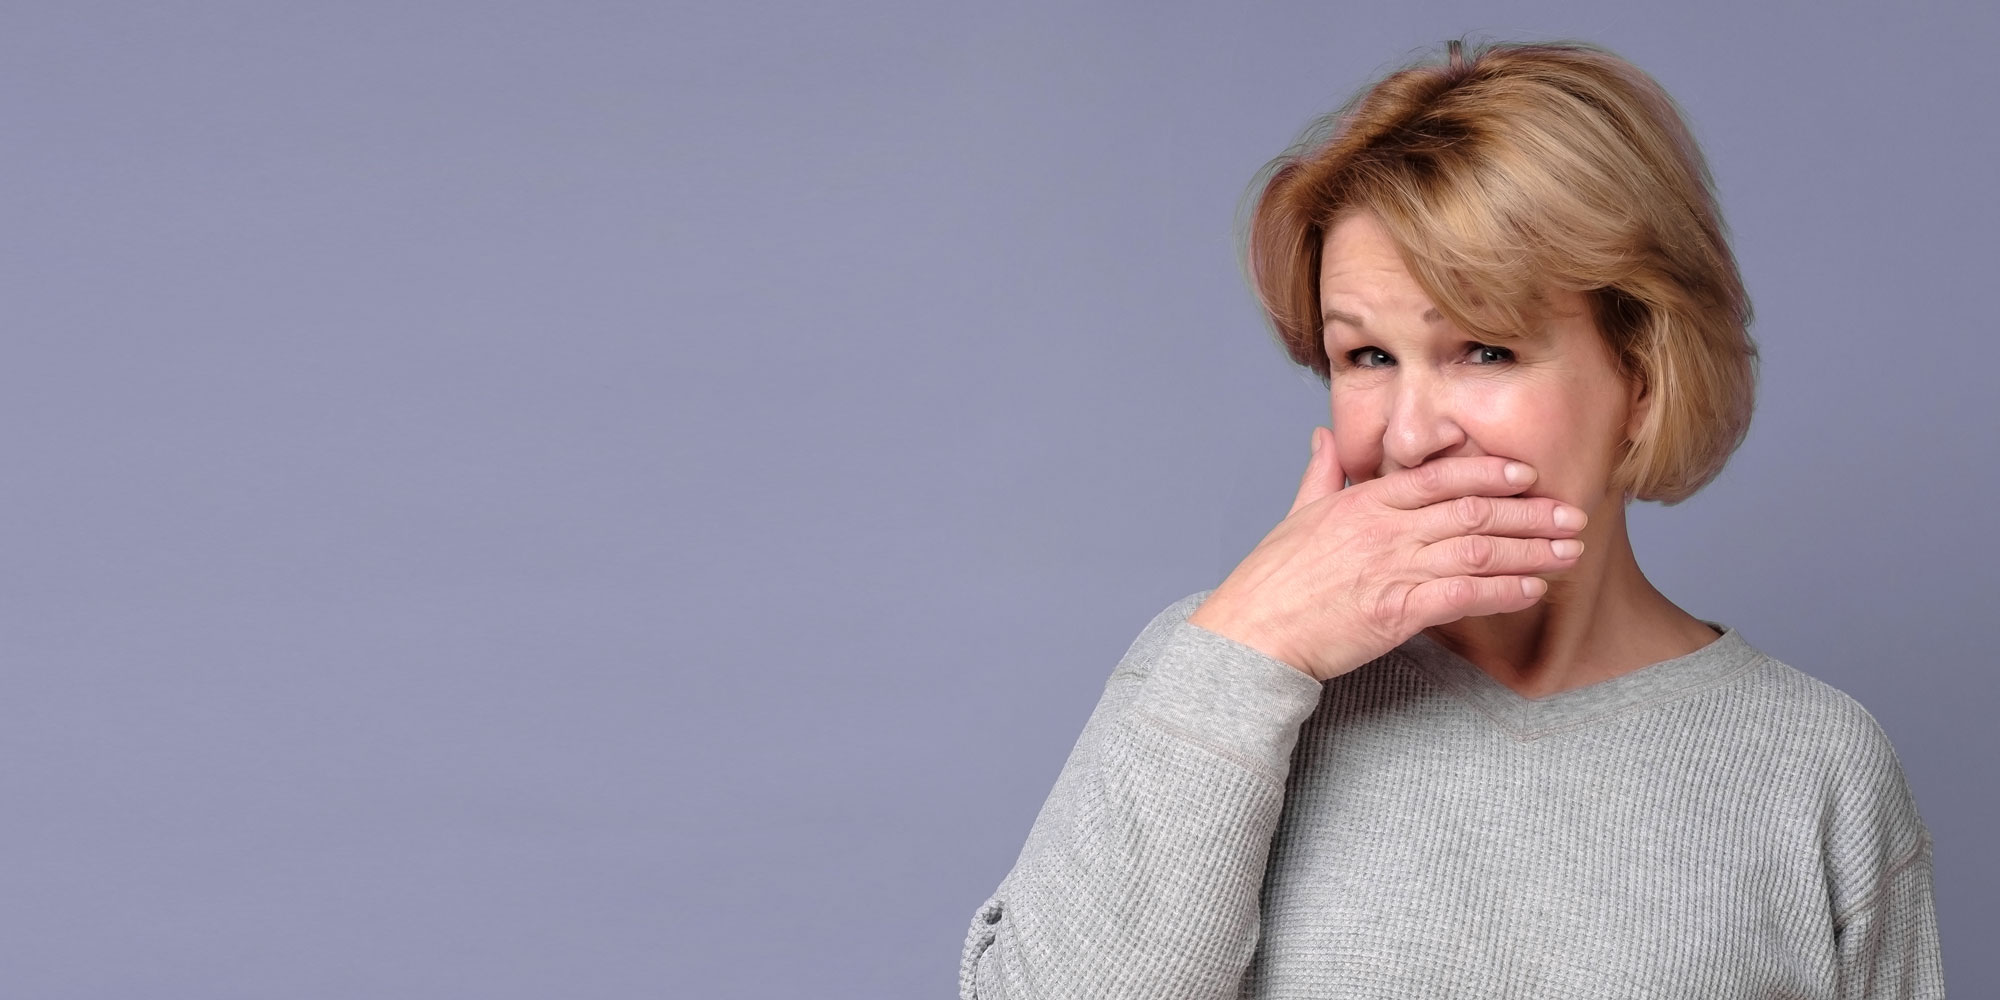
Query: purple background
x,y
616,500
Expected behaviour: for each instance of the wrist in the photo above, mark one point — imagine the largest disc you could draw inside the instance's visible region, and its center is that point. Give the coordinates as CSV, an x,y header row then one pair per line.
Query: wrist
x,y
1223,622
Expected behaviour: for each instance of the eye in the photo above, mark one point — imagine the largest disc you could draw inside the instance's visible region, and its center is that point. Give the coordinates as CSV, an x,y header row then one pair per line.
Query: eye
x,y
1487,353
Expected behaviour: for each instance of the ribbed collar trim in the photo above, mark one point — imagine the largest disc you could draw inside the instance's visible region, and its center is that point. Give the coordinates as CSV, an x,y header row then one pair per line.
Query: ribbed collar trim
x,y
1527,718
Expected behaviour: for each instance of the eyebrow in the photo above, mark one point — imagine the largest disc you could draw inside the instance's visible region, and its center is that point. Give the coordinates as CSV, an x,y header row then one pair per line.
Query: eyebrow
x,y
1329,317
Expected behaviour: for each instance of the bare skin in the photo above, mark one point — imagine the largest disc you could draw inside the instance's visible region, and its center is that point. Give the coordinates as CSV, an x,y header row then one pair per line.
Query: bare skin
x,y
1409,388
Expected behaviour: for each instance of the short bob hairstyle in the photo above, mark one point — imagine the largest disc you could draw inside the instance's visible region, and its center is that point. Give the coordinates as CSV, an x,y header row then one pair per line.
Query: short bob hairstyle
x,y
1531,166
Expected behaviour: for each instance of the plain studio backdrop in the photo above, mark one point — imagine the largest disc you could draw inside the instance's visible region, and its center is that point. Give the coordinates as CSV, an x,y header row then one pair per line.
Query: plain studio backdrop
x,y
632,500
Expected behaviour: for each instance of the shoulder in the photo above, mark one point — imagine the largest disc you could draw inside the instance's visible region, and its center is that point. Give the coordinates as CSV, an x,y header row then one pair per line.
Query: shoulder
x,y
1868,821
1832,728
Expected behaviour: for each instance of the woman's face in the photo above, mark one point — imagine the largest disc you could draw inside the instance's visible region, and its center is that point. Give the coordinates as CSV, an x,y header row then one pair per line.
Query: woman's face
x,y
1409,387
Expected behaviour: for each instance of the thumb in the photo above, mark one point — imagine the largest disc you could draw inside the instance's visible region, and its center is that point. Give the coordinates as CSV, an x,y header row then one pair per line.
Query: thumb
x,y
1324,475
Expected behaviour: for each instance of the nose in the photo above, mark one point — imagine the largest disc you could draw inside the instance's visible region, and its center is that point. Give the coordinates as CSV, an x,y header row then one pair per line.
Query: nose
x,y
1421,424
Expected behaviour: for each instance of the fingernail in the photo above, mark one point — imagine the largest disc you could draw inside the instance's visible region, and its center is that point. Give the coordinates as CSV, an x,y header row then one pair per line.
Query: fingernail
x,y
1519,474
1315,444
1566,547
1569,517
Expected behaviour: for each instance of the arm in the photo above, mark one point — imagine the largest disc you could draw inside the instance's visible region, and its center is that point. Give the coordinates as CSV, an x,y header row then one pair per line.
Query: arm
x,y
1878,862
1142,873
1887,942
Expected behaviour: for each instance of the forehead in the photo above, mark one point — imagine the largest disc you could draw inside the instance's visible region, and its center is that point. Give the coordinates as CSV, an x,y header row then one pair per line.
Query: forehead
x,y
1360,267
1362,274
1357,235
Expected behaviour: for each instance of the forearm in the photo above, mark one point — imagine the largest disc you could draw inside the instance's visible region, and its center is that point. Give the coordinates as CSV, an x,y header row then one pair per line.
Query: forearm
x,y
1143,871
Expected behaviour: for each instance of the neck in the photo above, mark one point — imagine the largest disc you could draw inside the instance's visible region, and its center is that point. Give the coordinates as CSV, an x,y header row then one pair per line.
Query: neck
x,y
1599,619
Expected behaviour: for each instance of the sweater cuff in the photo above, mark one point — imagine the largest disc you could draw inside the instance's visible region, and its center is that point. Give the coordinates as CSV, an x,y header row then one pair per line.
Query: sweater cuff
x,y
1233,698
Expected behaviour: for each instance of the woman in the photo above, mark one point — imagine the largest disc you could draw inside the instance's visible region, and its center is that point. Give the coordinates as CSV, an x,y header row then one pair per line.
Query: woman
x,y
1421,742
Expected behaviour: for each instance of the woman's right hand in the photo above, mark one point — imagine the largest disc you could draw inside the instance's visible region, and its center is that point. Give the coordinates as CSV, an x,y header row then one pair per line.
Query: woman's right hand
x,y
1354,571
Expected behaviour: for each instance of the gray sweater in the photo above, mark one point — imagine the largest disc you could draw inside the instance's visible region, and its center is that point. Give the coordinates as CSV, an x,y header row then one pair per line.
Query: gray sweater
x,y
1718,825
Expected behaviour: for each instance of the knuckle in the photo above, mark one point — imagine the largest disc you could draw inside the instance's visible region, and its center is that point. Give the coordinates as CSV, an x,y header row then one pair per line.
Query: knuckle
x,y
1396,607
1459,592
1430,478
1478,552
1470,511
1388,608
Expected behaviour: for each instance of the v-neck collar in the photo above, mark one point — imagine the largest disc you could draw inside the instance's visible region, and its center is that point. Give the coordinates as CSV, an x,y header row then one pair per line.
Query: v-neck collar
x,y
1526,718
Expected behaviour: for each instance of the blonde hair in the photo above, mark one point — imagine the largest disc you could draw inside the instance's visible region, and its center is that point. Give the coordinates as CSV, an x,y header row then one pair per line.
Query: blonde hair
x,y
1526,167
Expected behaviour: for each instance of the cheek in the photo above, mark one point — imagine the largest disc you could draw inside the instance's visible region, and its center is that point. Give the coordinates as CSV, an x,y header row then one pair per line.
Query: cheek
x,y
1539,427
1555,428
1525,421
1357,434
1579,425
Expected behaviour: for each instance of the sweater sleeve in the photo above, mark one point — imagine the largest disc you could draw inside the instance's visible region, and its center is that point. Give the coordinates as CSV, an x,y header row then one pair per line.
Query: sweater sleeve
x,y
1142,872
1887,944
1878,856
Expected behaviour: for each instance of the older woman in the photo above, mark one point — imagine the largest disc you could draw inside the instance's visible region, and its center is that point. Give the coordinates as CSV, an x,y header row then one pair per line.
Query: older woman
x,y
1437,735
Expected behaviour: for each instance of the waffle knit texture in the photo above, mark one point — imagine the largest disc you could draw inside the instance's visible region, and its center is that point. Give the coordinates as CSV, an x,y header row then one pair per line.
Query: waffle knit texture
x,y
1718,825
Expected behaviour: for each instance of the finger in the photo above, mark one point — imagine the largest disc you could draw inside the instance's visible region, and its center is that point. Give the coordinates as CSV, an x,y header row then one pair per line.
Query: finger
x,y
1323,475
1446,478
1490,555
1519,517
1438,602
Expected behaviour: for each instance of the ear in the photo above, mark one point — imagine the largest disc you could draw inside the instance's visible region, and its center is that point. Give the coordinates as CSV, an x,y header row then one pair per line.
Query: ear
x,y
1638,401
